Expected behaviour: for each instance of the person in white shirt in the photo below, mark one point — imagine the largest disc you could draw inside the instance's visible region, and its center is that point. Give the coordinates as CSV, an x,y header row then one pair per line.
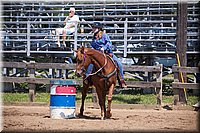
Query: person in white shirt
x,y
69,28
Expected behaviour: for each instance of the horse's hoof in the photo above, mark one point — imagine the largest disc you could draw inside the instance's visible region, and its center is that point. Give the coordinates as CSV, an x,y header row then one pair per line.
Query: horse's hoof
x,y
80,115
103,118
108,115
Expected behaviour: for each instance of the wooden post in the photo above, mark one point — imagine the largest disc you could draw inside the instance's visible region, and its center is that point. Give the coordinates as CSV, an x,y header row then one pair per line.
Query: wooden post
x,y
176,90
159,89
181,41
32,85
149,62
95,99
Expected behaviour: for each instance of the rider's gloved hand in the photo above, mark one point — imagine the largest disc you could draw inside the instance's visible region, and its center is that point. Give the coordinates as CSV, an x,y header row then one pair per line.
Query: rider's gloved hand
x,y
111,55
102,50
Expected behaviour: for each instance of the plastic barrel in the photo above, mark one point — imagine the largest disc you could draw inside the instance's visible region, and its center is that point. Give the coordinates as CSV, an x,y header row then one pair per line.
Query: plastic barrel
x,y
62,101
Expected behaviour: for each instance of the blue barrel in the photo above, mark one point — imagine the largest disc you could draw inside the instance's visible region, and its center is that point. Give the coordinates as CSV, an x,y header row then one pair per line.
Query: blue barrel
x,y
62,100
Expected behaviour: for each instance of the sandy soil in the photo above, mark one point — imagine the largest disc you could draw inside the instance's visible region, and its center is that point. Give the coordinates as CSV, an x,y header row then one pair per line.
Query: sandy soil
x,y
125,118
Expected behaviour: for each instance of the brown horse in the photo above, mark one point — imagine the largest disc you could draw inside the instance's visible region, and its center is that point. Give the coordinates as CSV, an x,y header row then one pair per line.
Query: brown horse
x,y
103,77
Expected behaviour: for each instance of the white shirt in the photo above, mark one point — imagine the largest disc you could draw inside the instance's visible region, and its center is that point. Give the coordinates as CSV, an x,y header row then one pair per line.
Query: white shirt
x,y
72,20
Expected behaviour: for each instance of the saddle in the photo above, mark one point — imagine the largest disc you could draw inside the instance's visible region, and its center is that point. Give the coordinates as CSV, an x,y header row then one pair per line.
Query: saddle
x,y
119,78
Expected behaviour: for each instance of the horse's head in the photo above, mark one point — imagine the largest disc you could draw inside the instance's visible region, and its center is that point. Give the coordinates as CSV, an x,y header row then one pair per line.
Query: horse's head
x,y
82,61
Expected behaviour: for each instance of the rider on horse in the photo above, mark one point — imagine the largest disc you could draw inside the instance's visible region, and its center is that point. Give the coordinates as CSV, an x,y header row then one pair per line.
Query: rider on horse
x,y
102,42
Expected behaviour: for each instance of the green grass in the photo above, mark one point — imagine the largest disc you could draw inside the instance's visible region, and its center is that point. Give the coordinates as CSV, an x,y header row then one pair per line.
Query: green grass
x,y
117,98
23,97
14,97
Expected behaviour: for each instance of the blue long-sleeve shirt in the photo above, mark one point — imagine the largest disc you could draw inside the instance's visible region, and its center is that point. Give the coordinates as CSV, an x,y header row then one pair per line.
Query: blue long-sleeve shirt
x,y
103,42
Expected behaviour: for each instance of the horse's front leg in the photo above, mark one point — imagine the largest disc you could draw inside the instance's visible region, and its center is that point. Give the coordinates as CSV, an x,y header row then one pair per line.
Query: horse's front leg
x,y
110,93
84,94
102,97
103,110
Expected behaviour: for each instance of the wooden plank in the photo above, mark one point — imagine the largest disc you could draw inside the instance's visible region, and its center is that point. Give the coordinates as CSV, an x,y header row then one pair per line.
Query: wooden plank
x,y
13,64
65,82
38,65
72,66
143,84
53,66
185,85
142,68
140,84
36,80
186,69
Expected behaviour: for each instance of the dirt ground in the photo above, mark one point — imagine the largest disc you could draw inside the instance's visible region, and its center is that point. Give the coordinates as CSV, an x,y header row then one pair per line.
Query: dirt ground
x,y
133,118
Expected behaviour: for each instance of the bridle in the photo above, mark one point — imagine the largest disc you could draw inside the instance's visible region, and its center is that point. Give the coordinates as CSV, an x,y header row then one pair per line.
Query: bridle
x,y
84,59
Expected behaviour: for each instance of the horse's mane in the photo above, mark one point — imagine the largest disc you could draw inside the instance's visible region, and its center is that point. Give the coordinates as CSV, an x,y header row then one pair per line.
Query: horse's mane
x,y
91,51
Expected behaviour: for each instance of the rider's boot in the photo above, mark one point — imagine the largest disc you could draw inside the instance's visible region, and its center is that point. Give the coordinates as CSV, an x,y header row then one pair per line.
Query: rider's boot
x,y
87,80
123,84
121,81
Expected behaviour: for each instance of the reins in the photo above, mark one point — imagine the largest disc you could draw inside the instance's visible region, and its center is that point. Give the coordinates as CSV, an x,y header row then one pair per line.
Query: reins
x,y
106,61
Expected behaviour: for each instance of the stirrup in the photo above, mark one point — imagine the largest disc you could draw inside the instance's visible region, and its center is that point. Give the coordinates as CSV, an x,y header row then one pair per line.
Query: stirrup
x,y
123,84
86,81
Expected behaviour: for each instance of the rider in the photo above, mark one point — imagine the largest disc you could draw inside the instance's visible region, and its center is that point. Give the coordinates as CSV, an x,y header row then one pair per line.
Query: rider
x,y
102,42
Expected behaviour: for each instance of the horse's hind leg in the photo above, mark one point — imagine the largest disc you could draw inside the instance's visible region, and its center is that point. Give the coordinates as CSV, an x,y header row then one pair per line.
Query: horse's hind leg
x,y
84,94
111,89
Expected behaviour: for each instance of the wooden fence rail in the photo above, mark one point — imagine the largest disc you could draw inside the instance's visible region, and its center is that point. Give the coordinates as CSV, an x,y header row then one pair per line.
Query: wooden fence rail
x,y
11,73
178,84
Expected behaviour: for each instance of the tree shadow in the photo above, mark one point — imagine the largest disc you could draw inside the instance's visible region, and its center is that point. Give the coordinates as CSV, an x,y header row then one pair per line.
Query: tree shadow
x,y
94,117
90,117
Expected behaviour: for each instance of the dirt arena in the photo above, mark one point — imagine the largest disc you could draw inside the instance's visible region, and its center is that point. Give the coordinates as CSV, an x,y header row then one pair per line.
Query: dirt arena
x,y
133,118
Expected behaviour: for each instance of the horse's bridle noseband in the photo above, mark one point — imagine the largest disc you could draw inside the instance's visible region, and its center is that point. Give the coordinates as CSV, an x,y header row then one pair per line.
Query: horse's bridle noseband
x,y
84,59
